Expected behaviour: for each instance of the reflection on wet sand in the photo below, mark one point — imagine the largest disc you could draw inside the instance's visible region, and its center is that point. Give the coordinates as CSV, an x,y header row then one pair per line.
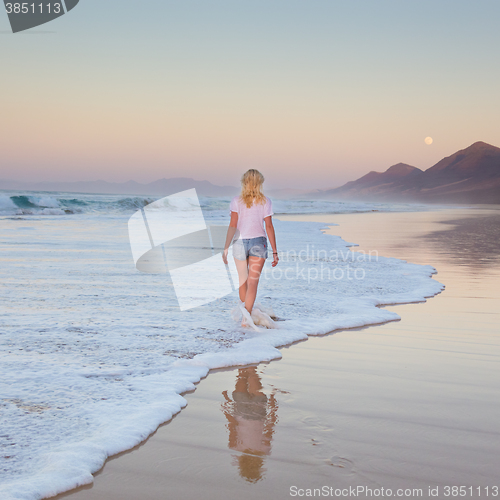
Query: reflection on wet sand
x,y
251,417
473,240
467,237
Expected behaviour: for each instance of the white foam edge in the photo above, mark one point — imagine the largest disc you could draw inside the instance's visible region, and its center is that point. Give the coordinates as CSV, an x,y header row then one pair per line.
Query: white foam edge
x,y
74,464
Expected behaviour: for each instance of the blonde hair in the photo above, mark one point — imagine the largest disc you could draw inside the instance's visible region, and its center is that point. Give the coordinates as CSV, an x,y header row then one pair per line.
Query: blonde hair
x,y
251,188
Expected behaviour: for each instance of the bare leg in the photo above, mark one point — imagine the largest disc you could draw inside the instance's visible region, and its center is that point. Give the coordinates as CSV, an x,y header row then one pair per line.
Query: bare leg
x,y
255,265
242,268
254,382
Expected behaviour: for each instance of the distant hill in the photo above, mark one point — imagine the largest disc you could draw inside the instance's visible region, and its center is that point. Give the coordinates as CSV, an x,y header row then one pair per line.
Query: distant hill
x,y
161,187
374,183
471,175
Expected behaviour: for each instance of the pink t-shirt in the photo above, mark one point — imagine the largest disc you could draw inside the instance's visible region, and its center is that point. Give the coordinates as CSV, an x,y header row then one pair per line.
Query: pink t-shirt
x,y
251,220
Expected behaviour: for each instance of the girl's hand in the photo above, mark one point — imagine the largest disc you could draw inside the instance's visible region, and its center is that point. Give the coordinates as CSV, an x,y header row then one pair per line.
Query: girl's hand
x,y
275,259
224,256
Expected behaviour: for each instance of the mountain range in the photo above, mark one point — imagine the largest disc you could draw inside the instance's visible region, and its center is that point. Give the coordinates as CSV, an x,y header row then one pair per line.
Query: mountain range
x,y
161,187
471,175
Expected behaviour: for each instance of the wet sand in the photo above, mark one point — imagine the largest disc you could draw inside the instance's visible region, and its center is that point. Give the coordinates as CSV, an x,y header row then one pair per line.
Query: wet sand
x,y
410,404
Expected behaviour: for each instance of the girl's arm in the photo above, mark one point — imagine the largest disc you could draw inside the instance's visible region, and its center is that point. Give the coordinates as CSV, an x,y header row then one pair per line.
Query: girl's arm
x,y
272,238
231,230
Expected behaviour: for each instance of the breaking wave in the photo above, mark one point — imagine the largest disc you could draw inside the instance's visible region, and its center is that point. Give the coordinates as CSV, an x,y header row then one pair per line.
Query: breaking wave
x,y
58,203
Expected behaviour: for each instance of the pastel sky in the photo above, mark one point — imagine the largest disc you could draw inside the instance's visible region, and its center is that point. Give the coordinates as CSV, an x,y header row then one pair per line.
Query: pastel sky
x,y
312,93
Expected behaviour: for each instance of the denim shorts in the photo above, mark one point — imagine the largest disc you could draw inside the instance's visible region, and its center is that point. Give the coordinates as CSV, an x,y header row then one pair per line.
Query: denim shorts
x,y
252,247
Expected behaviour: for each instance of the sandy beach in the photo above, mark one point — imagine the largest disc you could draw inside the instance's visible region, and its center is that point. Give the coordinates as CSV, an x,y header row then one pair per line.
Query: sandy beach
x,y
406,406
360,139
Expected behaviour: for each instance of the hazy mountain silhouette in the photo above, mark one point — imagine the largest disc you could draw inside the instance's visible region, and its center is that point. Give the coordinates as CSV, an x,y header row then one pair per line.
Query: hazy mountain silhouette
x,y
471,175
374,183
161,187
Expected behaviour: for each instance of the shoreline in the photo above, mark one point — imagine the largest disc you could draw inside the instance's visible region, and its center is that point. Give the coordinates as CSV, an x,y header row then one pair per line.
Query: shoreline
x,y
273,354
72,463
200,388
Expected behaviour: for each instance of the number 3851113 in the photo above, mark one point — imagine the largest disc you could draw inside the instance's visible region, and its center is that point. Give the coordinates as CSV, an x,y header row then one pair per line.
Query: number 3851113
x,y
33,8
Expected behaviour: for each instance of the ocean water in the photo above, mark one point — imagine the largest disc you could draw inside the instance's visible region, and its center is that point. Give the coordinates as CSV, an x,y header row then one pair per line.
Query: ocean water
x,y
50,203
94,354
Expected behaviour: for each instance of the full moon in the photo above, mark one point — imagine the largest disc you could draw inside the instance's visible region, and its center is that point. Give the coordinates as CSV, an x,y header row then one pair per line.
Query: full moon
x,y
428,140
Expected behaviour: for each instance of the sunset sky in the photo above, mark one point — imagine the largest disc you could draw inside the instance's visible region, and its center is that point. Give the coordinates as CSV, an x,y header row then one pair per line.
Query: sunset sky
x,y
312,93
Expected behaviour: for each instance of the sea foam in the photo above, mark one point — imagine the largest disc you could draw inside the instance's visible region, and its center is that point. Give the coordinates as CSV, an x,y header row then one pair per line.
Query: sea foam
x,y
94,355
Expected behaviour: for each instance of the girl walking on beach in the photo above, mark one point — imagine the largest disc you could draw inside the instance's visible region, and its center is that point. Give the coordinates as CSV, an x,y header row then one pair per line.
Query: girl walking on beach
x,y
250,212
